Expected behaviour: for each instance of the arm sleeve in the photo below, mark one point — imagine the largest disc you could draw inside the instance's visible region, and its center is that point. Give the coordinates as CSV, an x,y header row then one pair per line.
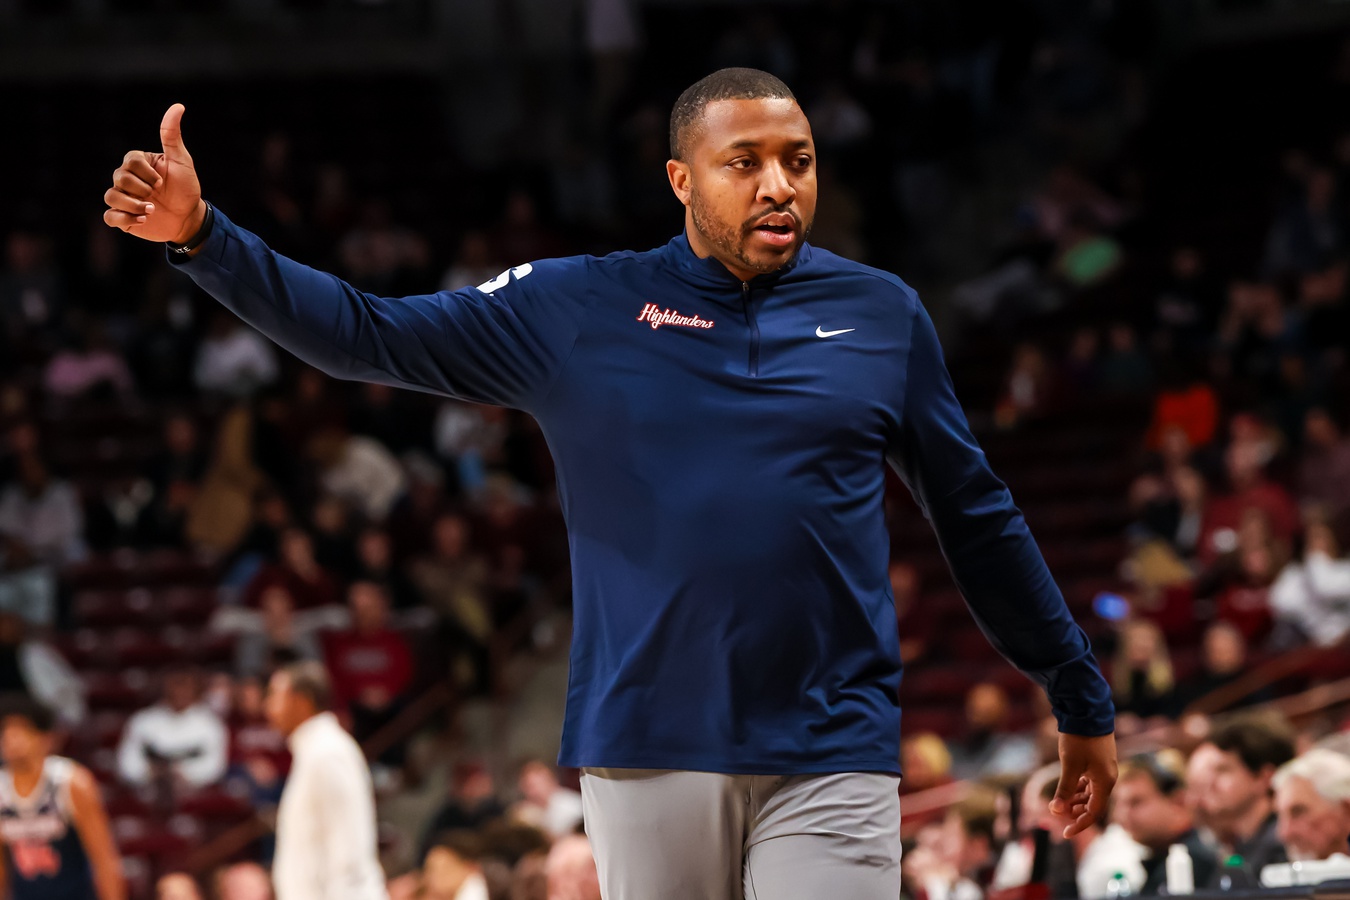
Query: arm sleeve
x,y
503,345
993,558
350,843
1329,578
132,766
208,767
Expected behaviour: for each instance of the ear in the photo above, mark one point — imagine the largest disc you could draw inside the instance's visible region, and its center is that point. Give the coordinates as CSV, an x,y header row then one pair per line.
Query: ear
x,y
678,173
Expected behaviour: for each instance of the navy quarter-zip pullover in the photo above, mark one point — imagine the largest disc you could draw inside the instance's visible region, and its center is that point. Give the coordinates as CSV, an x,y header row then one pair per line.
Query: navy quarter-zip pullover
x,y
720,448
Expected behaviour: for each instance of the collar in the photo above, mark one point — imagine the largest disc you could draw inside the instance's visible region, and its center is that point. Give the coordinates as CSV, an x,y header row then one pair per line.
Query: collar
x,y
310,729
709,271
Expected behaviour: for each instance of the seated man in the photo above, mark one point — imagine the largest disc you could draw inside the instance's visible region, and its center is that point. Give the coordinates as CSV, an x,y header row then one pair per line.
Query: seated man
x,y
178,743
1312,804
1150,804
371,665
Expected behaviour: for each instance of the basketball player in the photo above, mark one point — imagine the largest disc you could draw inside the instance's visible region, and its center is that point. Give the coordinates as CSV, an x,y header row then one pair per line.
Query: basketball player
x,y
55,831
721,411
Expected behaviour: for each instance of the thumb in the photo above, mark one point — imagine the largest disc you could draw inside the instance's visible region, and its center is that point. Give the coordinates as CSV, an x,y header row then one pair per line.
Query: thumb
x,y
171,134
1062,802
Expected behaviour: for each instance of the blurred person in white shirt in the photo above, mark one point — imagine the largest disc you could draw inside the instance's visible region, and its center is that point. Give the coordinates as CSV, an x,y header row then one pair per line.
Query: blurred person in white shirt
x,y
179,739
233,359
451,870
326,831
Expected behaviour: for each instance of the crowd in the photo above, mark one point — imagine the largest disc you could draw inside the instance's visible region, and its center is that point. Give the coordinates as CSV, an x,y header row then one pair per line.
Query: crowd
x,y
409,541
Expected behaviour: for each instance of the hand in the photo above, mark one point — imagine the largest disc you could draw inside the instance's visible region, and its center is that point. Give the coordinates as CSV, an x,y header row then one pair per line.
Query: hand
x,y
1087,773
156,196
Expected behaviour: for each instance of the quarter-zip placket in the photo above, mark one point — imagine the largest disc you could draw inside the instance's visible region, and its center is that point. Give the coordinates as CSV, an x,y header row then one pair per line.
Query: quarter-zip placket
x,y
754,328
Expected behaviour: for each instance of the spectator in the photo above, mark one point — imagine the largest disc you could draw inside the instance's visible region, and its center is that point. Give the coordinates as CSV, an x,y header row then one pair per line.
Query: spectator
x,y
988,748
473,264
915,630
175,474
243,881
1028,389
1223,660
469,438
375,562
1143,684
371,666
40,517
308,584
1241,577
1308,230
960,863
273,636
546,804
1186,403
177,744
233,359
358,470
35,668
259,759
453,581
1312,594
472,803
1228,778
1324,471
1312,804
571,870
1125,368
1149,802
1249,488
88,368
177,886
451,870
1187,307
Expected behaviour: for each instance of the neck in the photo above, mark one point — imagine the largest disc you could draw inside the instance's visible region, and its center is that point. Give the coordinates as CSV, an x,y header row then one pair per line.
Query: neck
x,y
702,249
26,771
1245,826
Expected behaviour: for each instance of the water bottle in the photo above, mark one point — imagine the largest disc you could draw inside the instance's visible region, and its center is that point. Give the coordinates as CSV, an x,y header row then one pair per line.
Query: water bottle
x,y
1180,870
1118,886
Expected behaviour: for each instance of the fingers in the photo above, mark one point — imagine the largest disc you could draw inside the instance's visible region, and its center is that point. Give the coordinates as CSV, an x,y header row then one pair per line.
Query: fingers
x,y
117,200
1087,807
132,184
171,134
116,218
1070,784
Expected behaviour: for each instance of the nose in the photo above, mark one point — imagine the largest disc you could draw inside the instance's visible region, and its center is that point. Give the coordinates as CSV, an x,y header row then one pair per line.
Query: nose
x,y
775,187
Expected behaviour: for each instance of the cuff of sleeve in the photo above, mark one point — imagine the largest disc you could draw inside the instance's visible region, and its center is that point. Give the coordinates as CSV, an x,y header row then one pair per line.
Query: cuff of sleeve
x,y
1081,699
212,248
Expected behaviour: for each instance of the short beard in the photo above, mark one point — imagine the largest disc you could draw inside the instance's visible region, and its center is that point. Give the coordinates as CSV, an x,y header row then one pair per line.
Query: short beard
x,y
728,240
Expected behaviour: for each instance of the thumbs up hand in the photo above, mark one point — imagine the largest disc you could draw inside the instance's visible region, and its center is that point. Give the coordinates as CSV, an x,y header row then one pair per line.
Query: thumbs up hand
x,y
156,196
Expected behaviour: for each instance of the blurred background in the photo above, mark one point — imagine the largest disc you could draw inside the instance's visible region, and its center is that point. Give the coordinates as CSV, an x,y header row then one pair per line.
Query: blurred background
x,y
1130,218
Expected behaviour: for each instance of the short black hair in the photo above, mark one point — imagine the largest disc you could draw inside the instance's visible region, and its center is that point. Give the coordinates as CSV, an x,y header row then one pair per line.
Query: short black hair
x,y
724,84
466,844
310,679
22,706
1257,740
1158,768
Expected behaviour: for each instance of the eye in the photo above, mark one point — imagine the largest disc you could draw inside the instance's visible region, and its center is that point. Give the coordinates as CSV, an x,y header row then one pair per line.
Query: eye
x,y
803,162
742,163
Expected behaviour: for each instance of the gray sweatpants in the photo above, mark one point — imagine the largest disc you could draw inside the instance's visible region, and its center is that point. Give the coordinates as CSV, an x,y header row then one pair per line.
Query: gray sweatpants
x,y
674,835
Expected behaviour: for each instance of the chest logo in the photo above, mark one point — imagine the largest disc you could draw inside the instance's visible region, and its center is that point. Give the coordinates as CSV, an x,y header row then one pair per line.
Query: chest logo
x,y
824,334
658,317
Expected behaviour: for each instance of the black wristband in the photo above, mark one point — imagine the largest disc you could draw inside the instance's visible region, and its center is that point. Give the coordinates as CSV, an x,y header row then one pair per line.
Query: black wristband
x,y
200,237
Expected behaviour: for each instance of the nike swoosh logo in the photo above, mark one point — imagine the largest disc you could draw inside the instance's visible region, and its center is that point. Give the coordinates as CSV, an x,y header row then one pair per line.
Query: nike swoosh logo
x,y
820,333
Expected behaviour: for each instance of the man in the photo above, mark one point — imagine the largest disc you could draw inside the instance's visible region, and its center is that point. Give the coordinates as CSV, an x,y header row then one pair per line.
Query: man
x,y
177,886
570,870
1149,802
1230,789
326,844
451,870
472,803
720,410
178,743
243,881
1312,804
371,665
546,804
57,842
988,748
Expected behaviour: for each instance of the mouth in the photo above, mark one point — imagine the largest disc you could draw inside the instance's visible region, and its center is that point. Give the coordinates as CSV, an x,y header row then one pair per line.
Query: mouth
x,y
777,229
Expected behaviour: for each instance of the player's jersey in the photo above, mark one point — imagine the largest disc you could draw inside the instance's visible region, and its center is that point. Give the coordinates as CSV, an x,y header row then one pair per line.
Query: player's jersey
x,y
721,450
44,856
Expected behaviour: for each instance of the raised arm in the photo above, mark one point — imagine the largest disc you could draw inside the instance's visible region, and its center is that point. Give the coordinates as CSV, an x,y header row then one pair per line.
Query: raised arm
x,y
1000,570
503,343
